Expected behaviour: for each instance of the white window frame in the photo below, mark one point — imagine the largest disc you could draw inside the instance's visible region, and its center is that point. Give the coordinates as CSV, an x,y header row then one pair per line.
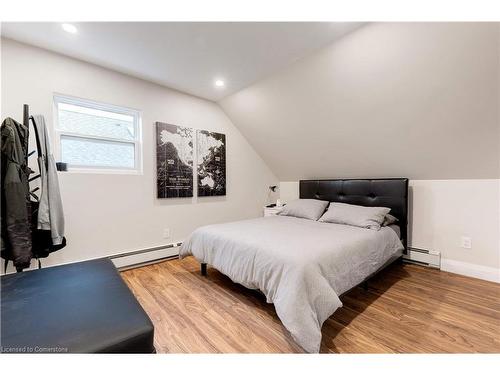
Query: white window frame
x,y
137,142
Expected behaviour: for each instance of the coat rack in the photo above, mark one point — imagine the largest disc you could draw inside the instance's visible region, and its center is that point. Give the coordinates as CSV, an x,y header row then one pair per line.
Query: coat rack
x,y
61,167
26,115
33,199
26,122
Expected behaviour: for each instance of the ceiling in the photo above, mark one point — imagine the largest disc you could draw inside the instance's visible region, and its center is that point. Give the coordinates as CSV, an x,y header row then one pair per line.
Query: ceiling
x,y
418,100
186,56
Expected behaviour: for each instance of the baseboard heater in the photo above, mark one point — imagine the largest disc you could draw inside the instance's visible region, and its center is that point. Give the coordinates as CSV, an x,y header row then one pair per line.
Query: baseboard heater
x,y
146,256
423,257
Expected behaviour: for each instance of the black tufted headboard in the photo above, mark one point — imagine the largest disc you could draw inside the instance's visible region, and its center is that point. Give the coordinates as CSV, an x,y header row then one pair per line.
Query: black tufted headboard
x,y
383,192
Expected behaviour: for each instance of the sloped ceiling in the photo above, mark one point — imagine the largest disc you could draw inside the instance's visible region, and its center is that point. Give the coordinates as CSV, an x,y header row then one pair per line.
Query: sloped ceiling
x,y
387,100
187,56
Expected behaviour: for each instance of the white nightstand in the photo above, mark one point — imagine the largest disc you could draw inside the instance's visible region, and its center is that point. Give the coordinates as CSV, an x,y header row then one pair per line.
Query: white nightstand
x,y
272,211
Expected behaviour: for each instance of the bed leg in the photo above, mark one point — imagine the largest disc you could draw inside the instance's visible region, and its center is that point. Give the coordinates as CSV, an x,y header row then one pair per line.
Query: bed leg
x,y
365,285
203,269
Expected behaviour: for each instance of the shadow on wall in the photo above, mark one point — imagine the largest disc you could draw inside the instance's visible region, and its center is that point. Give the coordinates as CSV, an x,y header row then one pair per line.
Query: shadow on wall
x,y
410,217
221,198
172,201
187,201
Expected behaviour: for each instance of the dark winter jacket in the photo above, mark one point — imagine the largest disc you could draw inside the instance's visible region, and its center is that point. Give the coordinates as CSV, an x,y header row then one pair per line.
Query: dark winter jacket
x,y
16,219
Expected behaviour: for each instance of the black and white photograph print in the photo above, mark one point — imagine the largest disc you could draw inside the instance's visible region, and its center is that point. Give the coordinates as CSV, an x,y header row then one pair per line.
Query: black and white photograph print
x,y
174,161
211,156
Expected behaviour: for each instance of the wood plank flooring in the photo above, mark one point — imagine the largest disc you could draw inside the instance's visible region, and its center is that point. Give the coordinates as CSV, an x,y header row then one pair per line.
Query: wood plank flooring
x,y
406,309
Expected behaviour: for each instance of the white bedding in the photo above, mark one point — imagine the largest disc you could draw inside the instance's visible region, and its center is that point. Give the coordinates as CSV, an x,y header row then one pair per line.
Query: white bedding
x,y
300,265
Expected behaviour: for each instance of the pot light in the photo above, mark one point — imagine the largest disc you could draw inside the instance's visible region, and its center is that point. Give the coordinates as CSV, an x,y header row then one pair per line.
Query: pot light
x,y
219,83
69,28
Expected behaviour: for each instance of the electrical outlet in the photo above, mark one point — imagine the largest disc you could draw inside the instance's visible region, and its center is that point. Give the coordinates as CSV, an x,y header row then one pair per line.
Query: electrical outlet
x,y
166,233
466,242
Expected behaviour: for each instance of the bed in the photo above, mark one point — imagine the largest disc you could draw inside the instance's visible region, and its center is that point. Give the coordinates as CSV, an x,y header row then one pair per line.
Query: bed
x,y
303,266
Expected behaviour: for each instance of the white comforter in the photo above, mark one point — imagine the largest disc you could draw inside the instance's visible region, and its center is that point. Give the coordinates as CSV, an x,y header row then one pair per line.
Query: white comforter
x,y
300,265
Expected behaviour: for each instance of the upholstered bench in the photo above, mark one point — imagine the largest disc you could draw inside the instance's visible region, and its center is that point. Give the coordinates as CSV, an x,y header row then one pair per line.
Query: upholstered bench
x,y
76,308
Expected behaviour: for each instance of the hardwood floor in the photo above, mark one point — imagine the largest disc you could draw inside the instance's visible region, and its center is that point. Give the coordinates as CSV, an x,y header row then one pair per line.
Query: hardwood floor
x,y
406,309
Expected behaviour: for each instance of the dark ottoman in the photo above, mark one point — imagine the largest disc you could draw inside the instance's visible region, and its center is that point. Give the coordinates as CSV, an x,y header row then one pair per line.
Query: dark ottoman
x,y
77,308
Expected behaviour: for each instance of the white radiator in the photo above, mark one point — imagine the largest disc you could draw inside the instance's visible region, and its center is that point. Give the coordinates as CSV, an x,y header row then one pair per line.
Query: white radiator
x,y
144,256
423,257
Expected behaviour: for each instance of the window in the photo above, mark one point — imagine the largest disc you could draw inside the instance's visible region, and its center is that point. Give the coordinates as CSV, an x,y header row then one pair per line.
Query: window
x,y
93,136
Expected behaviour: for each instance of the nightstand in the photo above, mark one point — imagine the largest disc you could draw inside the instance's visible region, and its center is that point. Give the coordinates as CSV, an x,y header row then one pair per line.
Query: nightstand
x,y
272,211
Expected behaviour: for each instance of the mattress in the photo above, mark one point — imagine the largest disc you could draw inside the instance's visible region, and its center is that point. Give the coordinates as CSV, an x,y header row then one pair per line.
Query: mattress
x,y
300,265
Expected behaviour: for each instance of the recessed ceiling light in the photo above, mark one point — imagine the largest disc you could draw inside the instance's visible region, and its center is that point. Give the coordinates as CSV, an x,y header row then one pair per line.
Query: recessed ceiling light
x,y
69,28
219,83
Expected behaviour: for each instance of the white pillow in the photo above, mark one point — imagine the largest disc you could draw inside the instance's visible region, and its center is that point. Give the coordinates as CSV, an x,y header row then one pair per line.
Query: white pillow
x,y
358,216
389,220
311,209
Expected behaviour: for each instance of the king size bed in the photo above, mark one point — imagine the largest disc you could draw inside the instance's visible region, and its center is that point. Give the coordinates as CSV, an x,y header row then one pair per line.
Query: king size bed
x,y
301,265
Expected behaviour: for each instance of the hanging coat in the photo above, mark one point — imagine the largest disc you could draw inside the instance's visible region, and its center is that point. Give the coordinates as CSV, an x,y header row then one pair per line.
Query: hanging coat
x,y
16,231
50,209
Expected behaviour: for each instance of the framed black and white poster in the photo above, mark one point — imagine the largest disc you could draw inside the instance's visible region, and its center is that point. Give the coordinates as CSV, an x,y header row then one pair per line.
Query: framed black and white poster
x,y
174,161
211,166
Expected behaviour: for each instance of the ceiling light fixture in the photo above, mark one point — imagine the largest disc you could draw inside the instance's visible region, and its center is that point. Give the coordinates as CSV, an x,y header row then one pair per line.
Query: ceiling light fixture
x,y
219,83
69,28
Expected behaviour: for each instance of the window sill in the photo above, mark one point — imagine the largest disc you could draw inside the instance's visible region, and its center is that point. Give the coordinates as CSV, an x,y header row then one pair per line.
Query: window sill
x,y
103,171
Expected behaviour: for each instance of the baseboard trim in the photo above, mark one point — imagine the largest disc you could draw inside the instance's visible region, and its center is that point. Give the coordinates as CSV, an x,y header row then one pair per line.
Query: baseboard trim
x,y
145,256
471,270
121,261
147,263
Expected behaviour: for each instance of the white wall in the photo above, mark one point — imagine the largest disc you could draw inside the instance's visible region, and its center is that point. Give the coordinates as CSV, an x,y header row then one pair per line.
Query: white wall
x,y
418,100
109,214
441,212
